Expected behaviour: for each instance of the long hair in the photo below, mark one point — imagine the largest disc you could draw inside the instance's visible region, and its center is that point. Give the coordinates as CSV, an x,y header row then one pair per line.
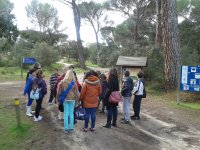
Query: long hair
x,y
69,76
39,73
113,73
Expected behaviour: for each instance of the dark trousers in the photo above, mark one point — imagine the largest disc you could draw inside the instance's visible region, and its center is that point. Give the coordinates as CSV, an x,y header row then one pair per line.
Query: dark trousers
x,y
61,108
90,112
136,105
112,114
38,107
52,95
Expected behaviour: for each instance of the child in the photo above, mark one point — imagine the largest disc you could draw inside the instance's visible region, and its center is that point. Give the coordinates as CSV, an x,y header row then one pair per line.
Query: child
x,y
53,80
104,86
27,90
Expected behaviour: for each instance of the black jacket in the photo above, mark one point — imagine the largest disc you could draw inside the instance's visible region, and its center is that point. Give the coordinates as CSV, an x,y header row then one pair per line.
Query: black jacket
x,y
113,85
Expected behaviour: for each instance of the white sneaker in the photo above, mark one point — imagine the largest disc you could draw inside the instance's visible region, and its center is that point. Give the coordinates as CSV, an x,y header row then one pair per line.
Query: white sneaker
x,y
29,114
38,118
32,111
60,115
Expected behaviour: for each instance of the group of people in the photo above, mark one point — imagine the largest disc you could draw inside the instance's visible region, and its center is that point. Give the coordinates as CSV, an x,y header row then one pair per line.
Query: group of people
x,y
96,88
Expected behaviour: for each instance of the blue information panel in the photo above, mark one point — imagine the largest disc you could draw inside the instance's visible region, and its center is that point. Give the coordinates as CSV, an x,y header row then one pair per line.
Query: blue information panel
x,y
190,78
29,60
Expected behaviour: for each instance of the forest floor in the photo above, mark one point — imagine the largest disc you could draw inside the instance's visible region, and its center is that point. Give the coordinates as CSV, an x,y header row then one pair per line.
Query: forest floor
x,y
161,126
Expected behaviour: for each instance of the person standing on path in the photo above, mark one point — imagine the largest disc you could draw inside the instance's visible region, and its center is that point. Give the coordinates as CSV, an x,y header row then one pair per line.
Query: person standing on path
x,y
60,105
126,96
91,90
104,86
113,85
27,90
138,92
53,80
69,84
41,84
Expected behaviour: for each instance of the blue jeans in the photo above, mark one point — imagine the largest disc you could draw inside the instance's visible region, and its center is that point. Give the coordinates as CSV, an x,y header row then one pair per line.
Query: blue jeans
x,y
112,114
136,105
90,112
126,107
69,115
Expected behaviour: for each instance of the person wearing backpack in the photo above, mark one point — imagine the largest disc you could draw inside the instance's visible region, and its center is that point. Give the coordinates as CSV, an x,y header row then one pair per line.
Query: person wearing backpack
x,y
138,91
60,105
68,94
27,91
126,94
39,83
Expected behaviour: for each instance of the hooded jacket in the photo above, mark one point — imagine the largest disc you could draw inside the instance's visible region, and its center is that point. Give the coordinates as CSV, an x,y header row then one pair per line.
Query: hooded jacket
x,y
90,92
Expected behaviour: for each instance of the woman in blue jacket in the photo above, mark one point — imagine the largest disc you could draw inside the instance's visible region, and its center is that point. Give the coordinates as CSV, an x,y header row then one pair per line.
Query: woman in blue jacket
x,y
27,91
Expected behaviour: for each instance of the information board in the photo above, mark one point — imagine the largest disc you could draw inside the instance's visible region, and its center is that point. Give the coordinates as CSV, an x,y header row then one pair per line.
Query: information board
x,y
190,78
27,60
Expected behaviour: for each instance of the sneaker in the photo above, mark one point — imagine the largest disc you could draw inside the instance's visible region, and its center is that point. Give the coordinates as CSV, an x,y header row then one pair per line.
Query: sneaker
x,y
32,111
92,129
69,130
135,118
125,122
38,118
85,130
29,114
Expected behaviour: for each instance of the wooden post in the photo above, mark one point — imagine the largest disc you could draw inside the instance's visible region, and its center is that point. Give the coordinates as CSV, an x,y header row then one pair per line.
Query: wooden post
x,y
17,112
21,67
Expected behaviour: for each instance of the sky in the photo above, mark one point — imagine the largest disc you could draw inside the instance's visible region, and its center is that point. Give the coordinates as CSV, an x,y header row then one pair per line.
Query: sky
x,y
65,14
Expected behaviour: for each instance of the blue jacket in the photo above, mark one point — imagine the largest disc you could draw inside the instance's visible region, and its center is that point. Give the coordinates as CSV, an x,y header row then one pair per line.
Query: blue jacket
x,y
27,88
127,87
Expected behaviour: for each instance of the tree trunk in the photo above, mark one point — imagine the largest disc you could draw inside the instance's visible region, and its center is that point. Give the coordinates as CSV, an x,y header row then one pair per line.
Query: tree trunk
x,y
158,39
77,22
136,25
171,44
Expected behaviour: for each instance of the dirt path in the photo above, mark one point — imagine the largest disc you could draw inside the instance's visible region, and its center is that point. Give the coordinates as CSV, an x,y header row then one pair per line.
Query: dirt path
x,y
160,127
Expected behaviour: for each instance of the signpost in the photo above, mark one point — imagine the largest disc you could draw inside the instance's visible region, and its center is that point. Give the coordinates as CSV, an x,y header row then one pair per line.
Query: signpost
x,y
29,60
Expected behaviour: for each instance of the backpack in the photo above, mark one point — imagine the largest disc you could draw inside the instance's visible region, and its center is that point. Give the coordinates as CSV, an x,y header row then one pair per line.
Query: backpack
x,y
36,91
144,90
